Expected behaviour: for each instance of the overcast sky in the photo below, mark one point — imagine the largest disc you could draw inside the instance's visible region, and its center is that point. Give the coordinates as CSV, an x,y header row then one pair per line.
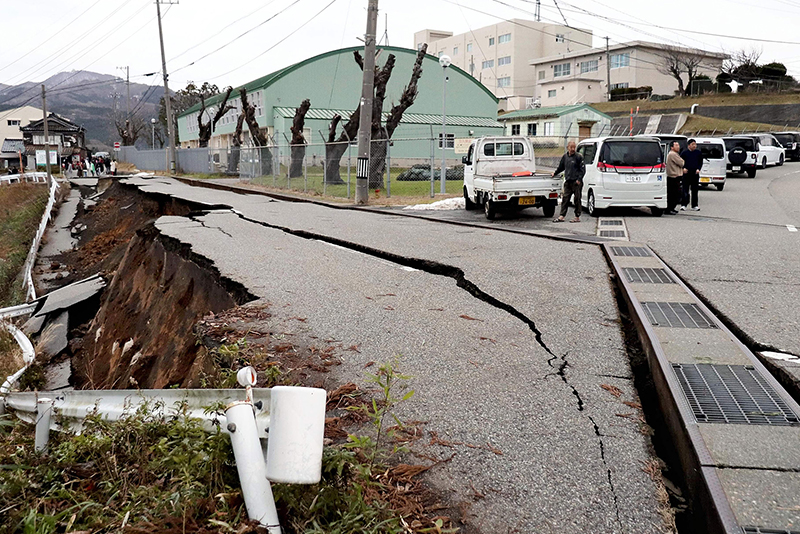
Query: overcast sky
x,y
44,37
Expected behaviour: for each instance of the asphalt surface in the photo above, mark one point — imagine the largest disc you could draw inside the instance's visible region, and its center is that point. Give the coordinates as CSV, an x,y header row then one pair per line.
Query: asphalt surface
x,y
553,453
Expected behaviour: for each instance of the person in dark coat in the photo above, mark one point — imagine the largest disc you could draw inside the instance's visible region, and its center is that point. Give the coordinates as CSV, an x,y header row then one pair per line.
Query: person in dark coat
x,y
574,169
693,162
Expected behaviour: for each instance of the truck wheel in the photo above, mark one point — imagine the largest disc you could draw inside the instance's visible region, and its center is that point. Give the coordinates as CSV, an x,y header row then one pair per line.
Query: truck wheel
x,y
468,203
590,207
720,187
549,209
489,209
780,161
751,173
656,212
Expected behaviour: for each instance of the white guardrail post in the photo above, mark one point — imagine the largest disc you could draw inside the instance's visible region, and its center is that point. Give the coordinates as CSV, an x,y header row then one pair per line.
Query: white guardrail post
x,y
292,417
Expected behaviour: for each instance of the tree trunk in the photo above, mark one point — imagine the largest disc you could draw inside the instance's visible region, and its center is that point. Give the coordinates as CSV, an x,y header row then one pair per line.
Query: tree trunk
x,y
259,139
333,157
298,150
233,161
377,159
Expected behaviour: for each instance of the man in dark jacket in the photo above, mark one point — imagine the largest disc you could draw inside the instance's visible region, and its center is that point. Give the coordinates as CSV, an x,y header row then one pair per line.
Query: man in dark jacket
x,y
692,163
574,169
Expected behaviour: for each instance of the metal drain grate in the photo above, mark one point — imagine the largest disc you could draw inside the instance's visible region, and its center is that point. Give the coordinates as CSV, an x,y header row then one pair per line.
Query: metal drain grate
x,y
612,233
638,252
761,530
611,223
735,394
647,275
676,315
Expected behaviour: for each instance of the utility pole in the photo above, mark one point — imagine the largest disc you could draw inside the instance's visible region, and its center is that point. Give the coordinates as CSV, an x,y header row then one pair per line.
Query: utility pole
x,y
365,116
170,126
538,13
608,72
46,139
128,102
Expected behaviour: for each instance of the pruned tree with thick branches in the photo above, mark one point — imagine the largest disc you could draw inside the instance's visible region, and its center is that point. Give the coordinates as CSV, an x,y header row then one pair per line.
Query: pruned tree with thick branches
x,y
675,61
259,138
298,148
206,129
380,132
233,160
128,129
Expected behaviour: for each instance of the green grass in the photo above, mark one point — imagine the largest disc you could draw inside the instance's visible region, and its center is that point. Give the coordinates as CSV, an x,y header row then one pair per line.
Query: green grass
x,y
21,208
698,125
721,99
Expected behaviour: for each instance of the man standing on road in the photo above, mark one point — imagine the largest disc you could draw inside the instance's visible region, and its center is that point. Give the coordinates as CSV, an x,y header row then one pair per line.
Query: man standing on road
x,y
574,169
675,172
693,161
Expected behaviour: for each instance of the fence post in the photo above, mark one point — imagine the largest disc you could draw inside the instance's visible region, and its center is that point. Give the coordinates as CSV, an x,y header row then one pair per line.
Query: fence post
x,y
349,143
289,164
305,171
388,164
566,135
432,157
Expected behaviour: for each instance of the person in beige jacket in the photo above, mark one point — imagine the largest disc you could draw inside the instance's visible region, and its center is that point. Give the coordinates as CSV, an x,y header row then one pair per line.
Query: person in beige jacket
x,y
675,172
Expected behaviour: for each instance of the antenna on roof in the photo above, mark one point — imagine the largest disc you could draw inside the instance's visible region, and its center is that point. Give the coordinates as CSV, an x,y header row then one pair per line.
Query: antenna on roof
x,y
385,36
538,12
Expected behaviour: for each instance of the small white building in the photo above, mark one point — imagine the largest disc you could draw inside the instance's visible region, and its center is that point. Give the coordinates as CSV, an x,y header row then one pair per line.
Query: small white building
x,y
583,75
575,122
11,120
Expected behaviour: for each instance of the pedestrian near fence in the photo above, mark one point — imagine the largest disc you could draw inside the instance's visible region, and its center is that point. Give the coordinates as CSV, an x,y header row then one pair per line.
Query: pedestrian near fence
x,y
574,169
693,162
675,171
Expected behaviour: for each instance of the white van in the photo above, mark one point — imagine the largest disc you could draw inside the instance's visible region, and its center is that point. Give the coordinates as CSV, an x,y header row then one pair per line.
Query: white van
x,y
715,161
623,172
500,175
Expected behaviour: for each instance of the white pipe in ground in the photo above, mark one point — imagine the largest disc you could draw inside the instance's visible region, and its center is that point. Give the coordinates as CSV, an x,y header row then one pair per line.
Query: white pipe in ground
x,y
44,408
296,431
250,464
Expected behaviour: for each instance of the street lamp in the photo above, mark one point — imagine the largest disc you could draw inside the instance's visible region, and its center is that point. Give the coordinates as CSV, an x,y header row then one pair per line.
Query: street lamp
x,y
153,124
444,61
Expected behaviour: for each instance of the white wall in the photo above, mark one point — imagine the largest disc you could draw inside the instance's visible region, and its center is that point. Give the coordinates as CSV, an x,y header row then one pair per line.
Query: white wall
x,y
25,115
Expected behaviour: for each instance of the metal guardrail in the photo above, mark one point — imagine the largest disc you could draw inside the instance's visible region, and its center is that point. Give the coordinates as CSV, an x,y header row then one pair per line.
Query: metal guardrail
x,y
27,269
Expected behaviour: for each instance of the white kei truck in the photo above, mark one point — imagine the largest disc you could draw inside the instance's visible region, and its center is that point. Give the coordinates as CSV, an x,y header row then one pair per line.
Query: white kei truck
x,y
500,175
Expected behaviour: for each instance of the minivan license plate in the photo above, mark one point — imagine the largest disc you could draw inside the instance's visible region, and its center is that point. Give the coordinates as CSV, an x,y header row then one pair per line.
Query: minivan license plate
x,y
705,179
633,178
736,168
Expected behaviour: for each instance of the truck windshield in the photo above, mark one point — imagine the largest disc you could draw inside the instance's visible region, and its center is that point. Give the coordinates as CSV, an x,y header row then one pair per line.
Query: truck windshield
x,y
711,151
745,143
632,153
503,149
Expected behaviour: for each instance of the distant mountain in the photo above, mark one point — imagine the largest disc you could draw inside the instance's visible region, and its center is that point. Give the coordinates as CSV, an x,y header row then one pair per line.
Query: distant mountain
x,y
89,99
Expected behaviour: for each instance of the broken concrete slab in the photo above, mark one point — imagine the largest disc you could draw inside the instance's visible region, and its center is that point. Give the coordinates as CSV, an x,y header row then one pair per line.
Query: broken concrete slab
x,y
34,325
57,375
70,295
53,340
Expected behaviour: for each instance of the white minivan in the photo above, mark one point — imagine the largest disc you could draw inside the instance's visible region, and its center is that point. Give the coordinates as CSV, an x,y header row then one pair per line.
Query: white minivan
x,y
770,150
623,172
715,161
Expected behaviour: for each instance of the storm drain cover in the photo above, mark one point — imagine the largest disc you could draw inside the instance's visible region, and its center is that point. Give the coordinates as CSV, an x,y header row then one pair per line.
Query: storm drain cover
x,y
761,530
639,252
735,394
676,315
612,233
647,275
611,223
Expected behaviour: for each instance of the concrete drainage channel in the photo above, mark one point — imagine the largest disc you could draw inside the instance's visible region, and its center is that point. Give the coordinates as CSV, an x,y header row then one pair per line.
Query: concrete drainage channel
x,y
726,413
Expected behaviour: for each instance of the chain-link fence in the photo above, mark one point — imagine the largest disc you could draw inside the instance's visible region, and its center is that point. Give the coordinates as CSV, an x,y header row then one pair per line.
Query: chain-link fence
x,y
409,166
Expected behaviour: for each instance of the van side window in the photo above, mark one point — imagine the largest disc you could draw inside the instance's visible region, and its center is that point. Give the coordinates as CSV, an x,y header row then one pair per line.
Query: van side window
x,y
588,152
488,149
469,154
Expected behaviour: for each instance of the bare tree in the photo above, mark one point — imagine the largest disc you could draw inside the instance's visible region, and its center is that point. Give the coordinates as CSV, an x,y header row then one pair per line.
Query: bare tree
x,y
677,61
128,129
298,149
233,160
259,138
206,129
335,148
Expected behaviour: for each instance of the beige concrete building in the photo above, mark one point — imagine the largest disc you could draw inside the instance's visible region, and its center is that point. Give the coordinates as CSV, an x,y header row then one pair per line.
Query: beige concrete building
x,y
499,55
11,120
581,76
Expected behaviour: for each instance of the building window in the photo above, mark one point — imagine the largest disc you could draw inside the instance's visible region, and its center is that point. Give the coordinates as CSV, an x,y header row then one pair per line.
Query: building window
x,y
620,60
541,75
506,60
13,122
455,50
505,38
589,66
551,93
549,128
451,139
39,139
504,82
469,47
532,129
559,37
623,85
561,70
515,129
488,64
491,41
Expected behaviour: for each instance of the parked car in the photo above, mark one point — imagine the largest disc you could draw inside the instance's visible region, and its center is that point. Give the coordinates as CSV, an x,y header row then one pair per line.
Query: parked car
x,y
500,175
666,141
770,150
624,172
742,155
791,144
715,161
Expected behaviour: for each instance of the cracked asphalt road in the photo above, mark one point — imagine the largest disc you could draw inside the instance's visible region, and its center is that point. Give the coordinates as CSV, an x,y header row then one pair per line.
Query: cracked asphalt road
x,y
509,339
